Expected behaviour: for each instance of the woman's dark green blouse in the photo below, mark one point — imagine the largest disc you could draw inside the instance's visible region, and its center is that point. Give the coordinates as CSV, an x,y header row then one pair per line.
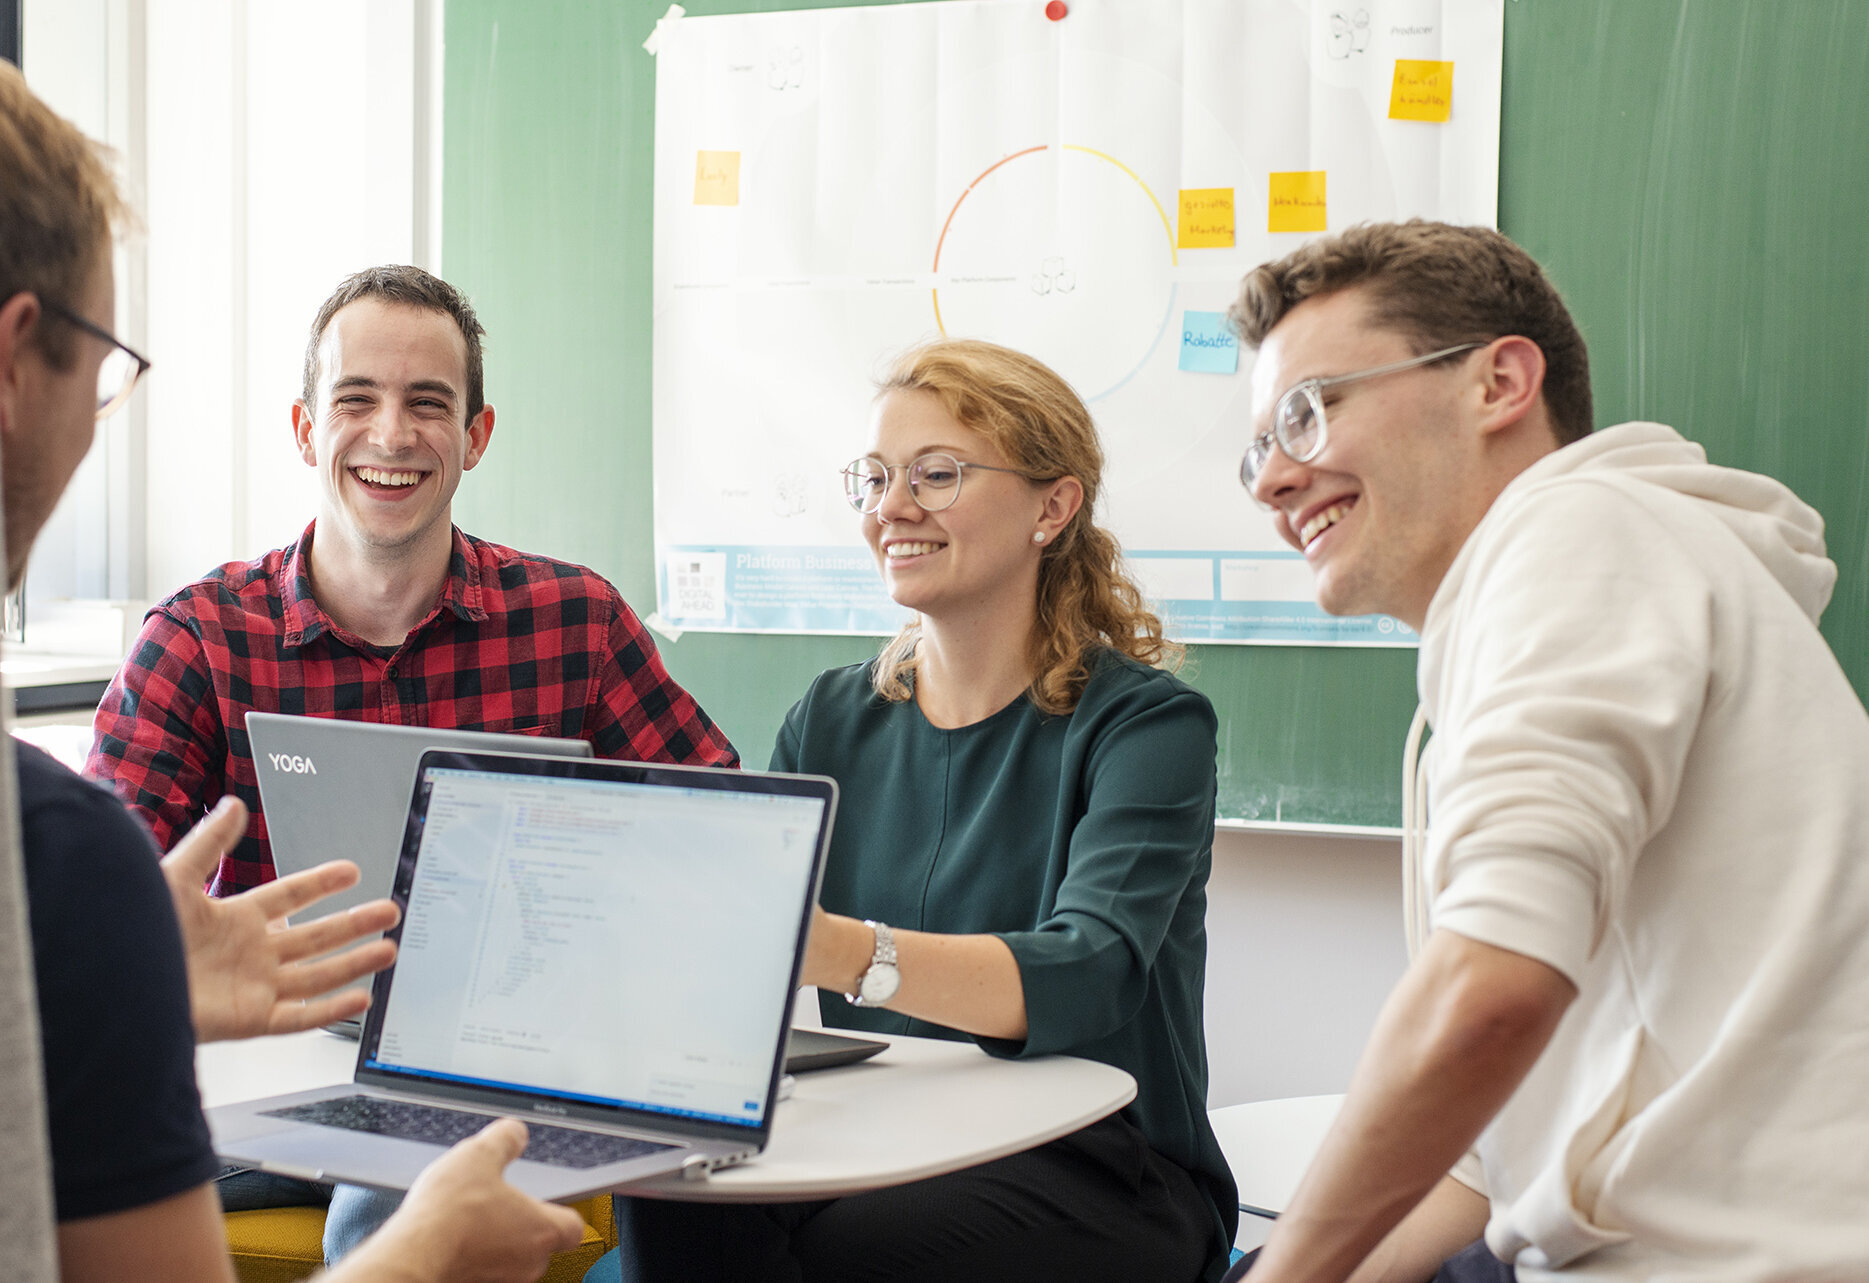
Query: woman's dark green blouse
x,y
1083,841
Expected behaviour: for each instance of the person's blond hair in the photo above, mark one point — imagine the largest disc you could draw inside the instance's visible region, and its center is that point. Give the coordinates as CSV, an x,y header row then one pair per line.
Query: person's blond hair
x,y
58,206
1086,602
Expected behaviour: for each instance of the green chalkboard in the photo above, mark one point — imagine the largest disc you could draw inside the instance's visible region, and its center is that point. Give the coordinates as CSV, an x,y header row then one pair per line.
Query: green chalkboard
x,y
1694,175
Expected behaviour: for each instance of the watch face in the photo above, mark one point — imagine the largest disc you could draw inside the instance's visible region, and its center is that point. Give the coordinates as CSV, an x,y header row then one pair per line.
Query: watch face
x,y
880,983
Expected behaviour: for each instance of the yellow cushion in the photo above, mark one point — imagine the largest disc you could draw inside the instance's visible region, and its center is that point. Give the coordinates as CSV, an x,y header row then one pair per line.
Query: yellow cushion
x,y
276,1244
596,1214
284,1244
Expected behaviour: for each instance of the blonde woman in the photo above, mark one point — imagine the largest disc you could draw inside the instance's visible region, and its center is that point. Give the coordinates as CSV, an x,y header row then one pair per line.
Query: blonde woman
x,y
1026,821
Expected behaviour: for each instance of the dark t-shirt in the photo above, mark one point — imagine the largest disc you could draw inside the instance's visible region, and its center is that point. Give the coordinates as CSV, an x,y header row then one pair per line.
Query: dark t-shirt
x,y
124,1116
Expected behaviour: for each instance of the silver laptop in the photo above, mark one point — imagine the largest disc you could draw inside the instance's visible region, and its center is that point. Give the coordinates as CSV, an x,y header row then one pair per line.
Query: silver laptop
x,y
333,789
607,950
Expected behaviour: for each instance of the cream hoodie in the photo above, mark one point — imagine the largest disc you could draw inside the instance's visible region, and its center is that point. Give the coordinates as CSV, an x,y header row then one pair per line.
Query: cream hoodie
x,y
1649,772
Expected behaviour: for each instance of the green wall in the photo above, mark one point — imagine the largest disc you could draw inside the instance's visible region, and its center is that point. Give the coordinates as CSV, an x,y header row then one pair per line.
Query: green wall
x,y
1694,174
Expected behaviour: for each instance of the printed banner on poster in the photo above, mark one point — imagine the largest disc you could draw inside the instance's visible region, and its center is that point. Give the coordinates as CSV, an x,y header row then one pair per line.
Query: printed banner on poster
x,y
833,186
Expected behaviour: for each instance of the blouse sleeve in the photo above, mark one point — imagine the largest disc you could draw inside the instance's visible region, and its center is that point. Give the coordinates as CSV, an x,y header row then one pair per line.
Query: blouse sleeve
x,y
1135,888
785,747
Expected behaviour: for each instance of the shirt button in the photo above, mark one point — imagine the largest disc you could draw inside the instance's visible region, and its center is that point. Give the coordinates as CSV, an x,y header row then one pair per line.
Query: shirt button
x,y
392,670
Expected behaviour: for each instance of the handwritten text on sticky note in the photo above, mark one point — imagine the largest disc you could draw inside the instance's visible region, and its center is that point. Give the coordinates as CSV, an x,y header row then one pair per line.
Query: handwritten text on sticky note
x,y
1295,202
1208,344
1423,90
717,178
1206,218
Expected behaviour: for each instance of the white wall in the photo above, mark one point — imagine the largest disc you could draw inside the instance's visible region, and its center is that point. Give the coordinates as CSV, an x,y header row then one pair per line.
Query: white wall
x,y
1304,939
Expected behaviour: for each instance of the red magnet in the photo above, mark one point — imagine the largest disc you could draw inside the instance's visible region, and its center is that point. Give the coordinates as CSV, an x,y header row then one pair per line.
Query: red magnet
x,y
1056,10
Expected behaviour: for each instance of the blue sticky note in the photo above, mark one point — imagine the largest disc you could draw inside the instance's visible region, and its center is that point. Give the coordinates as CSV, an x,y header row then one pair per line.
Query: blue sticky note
x,y
1208,345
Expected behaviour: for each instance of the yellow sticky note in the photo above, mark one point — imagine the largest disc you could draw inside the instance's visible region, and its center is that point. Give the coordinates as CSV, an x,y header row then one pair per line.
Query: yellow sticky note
x,y
1423,90
1295,202
1206,218
717,178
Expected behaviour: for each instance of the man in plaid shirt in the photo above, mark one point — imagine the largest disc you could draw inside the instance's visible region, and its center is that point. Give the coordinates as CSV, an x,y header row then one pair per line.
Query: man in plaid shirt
x,y
382,611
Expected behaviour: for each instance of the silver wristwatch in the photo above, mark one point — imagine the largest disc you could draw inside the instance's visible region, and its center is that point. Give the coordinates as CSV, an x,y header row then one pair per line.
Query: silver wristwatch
x,y
880,982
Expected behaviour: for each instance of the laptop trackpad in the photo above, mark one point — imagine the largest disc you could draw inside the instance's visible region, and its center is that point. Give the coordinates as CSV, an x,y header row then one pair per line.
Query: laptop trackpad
x,y
372,1160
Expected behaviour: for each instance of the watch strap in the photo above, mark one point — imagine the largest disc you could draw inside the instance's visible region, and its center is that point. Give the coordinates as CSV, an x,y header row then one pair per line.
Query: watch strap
x,y
882,957
885,942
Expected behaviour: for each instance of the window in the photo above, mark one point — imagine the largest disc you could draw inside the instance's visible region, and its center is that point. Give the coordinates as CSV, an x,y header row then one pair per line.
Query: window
x,y
270,150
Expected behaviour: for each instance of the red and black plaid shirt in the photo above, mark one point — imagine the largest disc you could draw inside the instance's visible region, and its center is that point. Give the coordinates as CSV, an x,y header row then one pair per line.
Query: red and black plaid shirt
x,y
516,643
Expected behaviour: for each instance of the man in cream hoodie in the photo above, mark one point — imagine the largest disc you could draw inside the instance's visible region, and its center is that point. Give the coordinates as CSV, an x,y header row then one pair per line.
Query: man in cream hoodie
x,y
1636,1022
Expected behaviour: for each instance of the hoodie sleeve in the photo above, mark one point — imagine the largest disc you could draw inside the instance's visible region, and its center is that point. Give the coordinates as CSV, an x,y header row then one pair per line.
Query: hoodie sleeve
x,y
1571,673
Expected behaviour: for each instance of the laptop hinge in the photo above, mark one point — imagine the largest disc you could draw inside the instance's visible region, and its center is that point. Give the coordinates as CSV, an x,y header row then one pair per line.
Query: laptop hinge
x,y
696,1167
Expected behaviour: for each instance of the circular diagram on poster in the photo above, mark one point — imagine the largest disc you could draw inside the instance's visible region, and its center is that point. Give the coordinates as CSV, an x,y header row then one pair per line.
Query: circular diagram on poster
x,y
1065,253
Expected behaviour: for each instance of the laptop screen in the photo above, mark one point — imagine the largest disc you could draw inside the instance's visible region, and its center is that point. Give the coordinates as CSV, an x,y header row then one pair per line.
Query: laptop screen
x,y
608,942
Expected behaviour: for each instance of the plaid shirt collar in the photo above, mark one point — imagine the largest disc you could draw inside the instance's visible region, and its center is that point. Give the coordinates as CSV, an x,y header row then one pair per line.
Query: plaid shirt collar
x,y
305,620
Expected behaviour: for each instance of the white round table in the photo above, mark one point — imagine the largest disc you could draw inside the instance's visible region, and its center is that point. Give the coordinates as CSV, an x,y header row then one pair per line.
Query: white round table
x,y
924,1107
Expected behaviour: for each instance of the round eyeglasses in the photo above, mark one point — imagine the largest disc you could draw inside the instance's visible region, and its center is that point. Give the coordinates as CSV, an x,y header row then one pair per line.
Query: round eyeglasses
x,y
1298,425
934,480
122,367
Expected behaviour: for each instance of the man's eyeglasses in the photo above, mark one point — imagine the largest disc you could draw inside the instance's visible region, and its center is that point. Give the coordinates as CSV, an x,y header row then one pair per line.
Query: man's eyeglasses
x,y
1298,425
117,376
934,480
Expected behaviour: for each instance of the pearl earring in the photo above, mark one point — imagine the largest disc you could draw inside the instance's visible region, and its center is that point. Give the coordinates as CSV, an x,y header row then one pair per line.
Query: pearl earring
x,y
1038,536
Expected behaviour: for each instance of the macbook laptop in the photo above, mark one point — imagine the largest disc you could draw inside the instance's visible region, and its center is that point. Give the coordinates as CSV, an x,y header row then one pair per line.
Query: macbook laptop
x,y
607,950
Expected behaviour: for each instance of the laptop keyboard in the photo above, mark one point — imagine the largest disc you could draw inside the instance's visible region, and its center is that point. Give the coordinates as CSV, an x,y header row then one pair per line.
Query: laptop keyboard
x,y
557,1146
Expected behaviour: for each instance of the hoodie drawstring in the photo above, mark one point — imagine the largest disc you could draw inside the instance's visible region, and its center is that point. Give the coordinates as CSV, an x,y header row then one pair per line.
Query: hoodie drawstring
x,y
1414,833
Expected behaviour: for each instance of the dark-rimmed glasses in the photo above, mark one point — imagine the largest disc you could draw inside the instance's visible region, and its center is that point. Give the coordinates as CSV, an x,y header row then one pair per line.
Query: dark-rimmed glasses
x,y
1298,425
934,480
117,376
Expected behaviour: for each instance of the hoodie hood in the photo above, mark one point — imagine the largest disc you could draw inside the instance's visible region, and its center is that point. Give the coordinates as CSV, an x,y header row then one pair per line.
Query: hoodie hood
x,y
1784,533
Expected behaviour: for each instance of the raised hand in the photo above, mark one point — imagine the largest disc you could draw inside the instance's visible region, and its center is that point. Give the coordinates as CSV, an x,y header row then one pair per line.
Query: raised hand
x,y
248,972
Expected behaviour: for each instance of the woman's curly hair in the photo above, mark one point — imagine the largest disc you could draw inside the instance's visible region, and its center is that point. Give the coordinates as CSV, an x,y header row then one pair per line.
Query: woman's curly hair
x,y
1086,603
